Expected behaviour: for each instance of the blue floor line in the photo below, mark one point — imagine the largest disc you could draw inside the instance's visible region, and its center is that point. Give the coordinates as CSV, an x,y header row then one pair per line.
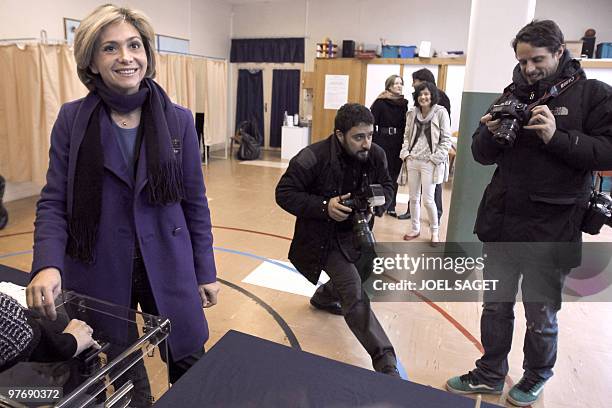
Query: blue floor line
x,y
231,251
16,253
402,371
261,258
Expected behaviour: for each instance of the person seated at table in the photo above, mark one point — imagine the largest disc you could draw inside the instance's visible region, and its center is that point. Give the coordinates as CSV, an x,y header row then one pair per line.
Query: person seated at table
x,y
24,337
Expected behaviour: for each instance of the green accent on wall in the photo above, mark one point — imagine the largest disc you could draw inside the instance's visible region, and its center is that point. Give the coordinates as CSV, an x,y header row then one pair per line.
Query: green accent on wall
x,y
470,177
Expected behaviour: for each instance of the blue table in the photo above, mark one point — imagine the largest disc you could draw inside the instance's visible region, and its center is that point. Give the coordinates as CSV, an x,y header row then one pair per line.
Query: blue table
x,y
246,371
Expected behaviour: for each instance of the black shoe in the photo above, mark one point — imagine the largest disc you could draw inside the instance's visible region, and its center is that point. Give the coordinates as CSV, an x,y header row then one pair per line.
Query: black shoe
x,y
392,213
405,216
390,370
333,307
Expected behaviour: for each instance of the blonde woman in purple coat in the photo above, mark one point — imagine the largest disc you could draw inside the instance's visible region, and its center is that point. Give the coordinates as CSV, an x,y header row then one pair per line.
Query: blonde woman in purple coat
x,y
124,216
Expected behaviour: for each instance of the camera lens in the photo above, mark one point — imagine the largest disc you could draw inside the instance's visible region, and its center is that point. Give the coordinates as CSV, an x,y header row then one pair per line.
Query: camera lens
x,y
506,134
363,237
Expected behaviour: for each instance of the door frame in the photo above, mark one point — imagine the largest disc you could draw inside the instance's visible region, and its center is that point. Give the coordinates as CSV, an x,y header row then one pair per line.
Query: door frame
x,y
267,73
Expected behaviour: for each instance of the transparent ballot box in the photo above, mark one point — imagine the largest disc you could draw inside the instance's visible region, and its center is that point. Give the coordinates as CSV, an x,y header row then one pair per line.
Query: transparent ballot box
x,y
129,369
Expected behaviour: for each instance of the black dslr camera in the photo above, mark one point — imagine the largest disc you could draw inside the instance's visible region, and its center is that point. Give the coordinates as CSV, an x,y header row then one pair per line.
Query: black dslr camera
x,y
514,115
598,214
373,195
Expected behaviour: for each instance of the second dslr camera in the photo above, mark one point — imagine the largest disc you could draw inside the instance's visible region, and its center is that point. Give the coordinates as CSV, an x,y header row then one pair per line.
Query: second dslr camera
x,y
360,202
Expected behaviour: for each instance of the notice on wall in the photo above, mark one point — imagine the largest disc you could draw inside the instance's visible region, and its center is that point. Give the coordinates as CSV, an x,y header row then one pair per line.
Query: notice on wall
x,y
336,91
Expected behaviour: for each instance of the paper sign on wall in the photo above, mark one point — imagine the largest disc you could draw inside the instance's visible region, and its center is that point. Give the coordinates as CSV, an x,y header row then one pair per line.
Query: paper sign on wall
x,y
336,91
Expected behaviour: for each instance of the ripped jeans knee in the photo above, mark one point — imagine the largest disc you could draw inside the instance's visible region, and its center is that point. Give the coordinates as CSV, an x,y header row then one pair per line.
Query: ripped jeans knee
x,y
541,319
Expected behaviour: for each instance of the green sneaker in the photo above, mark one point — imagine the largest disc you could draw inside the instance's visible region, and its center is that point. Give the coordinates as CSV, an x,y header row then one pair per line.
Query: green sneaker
x,y
469,384
526,392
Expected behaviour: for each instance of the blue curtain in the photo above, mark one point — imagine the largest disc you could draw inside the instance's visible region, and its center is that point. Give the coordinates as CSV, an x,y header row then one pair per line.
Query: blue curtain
x,y
285,97
249,101
268,50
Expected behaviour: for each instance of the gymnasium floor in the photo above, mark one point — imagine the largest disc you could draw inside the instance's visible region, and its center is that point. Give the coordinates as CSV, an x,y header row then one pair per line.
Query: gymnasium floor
x,y
433,340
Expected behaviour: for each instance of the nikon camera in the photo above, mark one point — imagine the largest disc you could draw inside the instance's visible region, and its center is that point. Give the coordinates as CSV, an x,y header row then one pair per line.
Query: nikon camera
x,y
360,202
514,115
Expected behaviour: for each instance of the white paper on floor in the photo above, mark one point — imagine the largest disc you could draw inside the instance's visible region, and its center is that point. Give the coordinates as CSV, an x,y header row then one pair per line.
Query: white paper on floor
x,y
286,279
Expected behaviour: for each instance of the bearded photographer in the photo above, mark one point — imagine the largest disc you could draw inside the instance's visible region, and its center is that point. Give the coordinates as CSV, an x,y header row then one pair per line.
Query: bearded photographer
x,y
315,188
545,152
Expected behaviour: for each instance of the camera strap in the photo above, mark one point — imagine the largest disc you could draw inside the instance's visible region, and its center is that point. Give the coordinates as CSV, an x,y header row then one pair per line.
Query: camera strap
x,y
556,90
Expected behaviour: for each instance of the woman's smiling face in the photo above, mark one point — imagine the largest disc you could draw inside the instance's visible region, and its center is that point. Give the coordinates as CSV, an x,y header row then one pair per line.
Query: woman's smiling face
x,y
120,58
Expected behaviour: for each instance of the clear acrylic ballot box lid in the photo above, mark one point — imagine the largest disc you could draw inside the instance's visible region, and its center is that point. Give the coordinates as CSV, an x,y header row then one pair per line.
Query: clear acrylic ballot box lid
x,y
129,368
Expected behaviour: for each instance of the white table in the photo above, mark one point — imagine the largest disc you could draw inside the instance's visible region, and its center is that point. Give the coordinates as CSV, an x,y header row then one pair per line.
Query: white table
x,y
293,139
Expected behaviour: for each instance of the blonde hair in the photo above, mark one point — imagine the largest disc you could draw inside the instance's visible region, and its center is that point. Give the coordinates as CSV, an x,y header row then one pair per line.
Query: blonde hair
x,y
88,33
391,81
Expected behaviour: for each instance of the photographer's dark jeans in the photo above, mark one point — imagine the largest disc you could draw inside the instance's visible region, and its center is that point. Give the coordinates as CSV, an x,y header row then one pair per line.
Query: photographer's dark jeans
x,y
143,296
541,290
345,285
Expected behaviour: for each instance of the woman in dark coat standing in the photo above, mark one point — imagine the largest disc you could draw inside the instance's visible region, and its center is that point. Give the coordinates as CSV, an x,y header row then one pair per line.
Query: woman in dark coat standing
x,y
389,111
124,216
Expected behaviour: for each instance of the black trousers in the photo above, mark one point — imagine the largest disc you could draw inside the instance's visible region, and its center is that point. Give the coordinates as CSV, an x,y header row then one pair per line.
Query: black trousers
x,y
345,286
142,295
391,206
437,200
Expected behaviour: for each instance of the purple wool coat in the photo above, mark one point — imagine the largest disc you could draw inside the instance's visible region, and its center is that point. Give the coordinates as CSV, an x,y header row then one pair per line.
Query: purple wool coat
x,y
175,240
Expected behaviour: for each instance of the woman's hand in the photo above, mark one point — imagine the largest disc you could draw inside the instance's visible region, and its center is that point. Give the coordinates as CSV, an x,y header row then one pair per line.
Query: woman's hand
x,y
209,293
42,291
82,333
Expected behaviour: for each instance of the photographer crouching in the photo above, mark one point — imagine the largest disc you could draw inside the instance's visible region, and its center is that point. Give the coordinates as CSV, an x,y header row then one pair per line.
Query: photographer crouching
x,y
330,187
550,129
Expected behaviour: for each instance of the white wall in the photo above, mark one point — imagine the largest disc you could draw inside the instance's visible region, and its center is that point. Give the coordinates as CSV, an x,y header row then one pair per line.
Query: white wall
x,y
406,22
574,17
206,23
211,22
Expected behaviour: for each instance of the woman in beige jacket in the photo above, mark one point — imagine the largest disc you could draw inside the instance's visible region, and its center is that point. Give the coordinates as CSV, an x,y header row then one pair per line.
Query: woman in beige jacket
x,y
425,155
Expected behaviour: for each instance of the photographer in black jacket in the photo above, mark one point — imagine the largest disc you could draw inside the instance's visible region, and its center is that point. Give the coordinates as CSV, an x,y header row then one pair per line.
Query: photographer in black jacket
x,y
535,201
313,188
